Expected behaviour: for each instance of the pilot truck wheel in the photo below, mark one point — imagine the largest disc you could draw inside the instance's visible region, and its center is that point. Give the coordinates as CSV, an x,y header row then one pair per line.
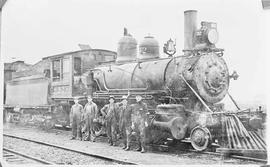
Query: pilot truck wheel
x,y
200,138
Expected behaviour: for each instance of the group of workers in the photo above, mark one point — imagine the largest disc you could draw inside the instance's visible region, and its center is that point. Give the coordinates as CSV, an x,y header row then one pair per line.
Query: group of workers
x,y
120,118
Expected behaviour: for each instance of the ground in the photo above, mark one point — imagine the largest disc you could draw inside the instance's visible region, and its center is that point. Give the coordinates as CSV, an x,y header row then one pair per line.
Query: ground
x,y
100,147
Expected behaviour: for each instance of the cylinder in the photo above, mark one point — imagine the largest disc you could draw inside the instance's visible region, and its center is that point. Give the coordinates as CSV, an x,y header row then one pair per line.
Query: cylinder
x,y
190,27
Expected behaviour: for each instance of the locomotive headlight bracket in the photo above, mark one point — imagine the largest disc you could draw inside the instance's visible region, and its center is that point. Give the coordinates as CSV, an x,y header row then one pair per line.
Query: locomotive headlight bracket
x,y
234,75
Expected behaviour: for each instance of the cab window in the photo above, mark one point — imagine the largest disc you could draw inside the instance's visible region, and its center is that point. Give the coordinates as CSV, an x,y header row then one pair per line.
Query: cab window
x,y
66,69
77,66
56,70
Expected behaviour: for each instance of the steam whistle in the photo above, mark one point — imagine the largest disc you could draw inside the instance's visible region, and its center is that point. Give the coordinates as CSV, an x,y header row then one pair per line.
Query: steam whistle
x,y
234,75
125,31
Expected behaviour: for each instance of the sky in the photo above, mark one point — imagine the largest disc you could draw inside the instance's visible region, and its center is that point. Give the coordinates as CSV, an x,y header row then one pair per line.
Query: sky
x,y
32,29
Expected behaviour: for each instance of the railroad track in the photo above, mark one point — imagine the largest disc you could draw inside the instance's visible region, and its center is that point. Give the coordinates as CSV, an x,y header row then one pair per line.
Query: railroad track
x,y
126,162
231,156
220,154
71,150
15,157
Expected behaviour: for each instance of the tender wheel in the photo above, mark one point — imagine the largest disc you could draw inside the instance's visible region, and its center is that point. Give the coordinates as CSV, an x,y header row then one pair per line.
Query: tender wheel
x,y
200,138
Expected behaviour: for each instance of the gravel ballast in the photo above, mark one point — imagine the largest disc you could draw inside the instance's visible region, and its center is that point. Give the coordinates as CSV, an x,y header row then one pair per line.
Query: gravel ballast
x,y
51,154
100,147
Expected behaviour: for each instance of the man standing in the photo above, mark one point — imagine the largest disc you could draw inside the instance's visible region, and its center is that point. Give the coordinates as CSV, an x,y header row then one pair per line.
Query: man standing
x,y
90,113
139,122
75,119
125,122
110,113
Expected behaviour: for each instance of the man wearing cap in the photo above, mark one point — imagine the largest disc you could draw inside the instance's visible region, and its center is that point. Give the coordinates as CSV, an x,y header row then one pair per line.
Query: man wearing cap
x,y
109,111
75,119
125,121
90,113
138,122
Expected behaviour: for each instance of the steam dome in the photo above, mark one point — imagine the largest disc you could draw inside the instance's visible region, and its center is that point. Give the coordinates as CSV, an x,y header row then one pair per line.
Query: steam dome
x,y
149,48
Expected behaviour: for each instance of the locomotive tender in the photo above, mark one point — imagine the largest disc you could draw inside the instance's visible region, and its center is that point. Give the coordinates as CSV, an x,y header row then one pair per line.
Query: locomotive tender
x,y
182,92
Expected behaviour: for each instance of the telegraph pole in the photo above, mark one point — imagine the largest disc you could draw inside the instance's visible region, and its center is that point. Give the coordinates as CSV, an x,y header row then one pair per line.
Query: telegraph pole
x,y
2,3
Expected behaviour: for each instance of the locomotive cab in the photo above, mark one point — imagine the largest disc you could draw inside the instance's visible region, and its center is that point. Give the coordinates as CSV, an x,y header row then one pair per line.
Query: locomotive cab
x,y
70,71
70,76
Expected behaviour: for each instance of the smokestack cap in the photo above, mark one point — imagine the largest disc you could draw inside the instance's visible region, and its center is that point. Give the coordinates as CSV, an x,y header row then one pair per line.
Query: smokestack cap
x,y
188,11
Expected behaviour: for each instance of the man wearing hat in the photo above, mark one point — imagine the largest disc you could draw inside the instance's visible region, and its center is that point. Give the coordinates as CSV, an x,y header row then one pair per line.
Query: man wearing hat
x,y
90,113
75,119
138,122
125,121
109,111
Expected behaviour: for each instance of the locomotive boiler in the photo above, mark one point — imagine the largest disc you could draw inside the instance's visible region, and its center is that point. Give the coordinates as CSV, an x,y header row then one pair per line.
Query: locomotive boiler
x,y
200,75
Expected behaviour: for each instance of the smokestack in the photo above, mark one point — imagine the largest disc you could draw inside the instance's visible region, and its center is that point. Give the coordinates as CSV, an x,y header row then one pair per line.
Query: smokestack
x,y
190,28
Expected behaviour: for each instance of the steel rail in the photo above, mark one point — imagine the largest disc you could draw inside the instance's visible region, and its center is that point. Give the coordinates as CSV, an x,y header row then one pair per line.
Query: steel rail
x,y
72,150
231,156
249,158
28,156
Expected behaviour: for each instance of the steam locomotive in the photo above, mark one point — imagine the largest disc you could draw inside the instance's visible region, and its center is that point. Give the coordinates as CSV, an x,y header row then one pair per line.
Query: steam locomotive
x,y
188,86
182,91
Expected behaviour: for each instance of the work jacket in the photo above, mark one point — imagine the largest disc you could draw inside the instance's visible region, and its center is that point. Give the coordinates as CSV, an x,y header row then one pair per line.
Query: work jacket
x,y
110,112
76,112
125,116
139,112
90,110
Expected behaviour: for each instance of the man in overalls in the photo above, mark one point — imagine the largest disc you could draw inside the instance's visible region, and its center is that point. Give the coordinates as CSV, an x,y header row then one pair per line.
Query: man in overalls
x,y
139,122
110,113
75,119
125,121
90,113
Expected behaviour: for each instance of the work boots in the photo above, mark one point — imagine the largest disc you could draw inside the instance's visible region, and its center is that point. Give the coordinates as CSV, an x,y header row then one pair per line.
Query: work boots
x,y
142,147
139,149
143,150
126,146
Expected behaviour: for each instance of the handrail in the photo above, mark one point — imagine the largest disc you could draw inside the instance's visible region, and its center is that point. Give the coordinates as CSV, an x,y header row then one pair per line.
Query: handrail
x,y
198,96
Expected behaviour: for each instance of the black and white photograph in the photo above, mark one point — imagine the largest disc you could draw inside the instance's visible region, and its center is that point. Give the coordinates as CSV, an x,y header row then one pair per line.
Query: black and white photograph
x,y
134,82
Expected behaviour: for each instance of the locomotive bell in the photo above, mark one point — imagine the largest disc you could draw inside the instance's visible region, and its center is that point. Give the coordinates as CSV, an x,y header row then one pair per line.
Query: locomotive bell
x,y
149,48
127,48
169,47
